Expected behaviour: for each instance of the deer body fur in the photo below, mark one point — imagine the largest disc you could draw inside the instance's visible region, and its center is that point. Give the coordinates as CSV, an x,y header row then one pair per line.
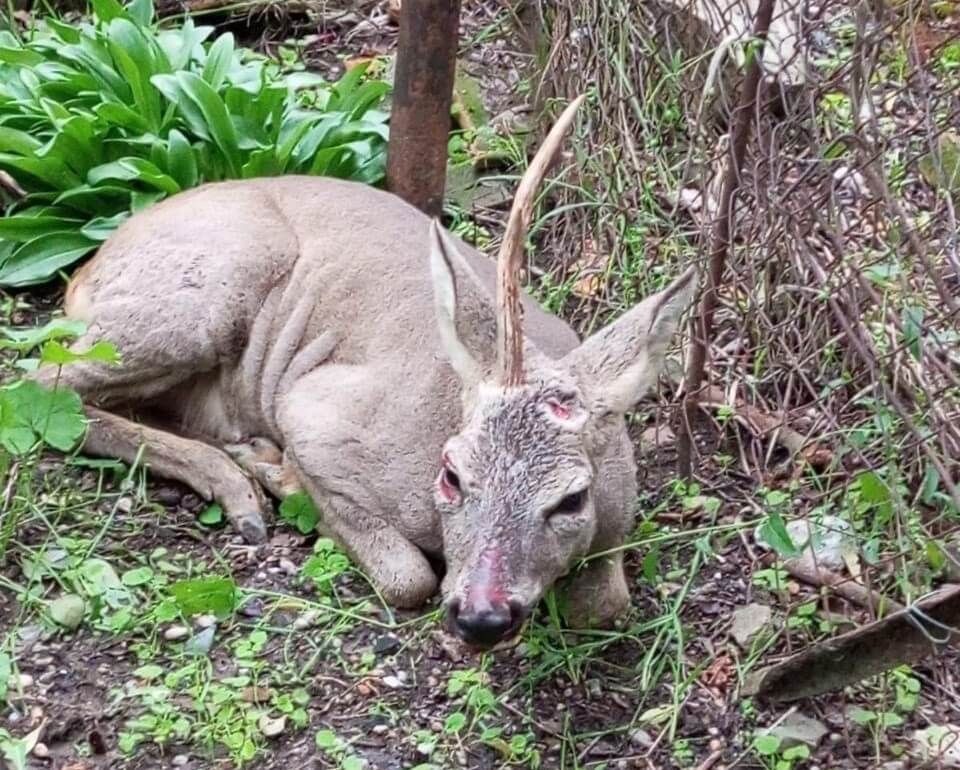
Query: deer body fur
x,y
280,331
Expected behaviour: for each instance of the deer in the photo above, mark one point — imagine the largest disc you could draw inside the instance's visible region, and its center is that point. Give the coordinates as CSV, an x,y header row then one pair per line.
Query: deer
x,y
301,333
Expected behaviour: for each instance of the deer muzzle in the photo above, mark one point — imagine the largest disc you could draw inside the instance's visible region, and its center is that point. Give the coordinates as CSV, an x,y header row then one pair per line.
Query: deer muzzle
x,y
483,613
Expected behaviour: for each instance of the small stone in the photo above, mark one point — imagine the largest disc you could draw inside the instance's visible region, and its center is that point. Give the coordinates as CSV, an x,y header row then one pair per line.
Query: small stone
x,y
180,760
940,743
306,620
425,749
386,644
895,765
190,502
749,621
68,610
715,744
40,751
380,729
392,682
124,504
252,608
270,726
176,633
288,566
594,688
403,676
641,739
169,497
25,681
827,540
205,621
798,729
201,643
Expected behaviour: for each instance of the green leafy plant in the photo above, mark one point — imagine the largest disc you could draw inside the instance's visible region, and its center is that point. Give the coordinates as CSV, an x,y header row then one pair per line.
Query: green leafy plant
x,y
299,511
337,749
773,756
216,596
99,120
326,564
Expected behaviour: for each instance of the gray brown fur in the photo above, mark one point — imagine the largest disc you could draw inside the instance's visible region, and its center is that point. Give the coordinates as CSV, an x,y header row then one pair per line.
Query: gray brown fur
x,y
296,312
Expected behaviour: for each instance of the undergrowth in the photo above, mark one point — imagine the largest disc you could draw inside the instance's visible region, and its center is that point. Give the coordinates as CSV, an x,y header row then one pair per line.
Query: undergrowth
x,y
103,118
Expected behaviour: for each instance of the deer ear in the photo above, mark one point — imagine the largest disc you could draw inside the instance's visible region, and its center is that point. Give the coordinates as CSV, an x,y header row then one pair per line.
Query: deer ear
x,y
468,338
621,362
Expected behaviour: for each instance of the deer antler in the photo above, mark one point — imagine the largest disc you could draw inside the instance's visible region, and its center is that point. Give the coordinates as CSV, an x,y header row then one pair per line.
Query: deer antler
x,y
509,327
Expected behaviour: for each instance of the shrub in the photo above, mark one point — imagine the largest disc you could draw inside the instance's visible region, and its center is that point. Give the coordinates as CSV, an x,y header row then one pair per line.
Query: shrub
x,y
101,119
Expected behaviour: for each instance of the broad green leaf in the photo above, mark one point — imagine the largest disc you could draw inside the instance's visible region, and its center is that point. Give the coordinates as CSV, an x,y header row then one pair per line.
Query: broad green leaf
x,y
59,420
100,200
181,162
139,576
37,260
22,228
121,115
216,596
218,61
101,228
861,716
57,354
97,577
774,532
53,416
299,510
766,745
141,11
107,10
23,340
16,435
214,111
137,64
50,170
212,514
20,56
19,142
134,169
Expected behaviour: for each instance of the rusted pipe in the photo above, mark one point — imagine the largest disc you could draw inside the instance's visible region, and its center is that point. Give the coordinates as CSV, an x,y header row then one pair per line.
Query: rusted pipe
x,y
422,94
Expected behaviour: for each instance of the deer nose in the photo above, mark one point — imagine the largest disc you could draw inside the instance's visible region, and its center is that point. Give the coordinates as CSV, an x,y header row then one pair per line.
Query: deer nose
x,y
484,627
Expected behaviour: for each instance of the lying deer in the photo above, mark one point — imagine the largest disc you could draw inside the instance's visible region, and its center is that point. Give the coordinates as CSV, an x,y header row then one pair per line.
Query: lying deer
x,y
293,312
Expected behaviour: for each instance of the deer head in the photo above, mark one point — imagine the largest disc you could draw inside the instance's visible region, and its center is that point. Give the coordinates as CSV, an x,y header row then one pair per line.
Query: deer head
x,y
542,458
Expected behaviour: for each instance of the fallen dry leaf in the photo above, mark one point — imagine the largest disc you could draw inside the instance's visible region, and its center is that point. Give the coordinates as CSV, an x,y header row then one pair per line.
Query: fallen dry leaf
x,y
589,283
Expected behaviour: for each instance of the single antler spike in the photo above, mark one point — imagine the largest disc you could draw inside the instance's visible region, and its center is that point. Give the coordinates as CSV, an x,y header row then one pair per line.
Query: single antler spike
x,y
509,326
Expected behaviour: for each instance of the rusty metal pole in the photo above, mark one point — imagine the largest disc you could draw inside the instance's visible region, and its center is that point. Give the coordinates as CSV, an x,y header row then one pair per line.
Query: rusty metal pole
x,y
422,94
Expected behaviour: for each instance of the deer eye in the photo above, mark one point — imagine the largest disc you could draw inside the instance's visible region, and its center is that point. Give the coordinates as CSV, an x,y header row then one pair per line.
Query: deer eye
x,y
451,479
570,504
449,483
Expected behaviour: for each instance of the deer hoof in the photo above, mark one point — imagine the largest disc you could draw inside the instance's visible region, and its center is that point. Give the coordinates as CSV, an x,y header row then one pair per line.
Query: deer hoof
x,y
252,529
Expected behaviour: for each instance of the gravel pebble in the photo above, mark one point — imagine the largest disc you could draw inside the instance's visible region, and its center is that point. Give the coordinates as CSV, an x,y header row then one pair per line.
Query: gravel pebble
x,y
176,633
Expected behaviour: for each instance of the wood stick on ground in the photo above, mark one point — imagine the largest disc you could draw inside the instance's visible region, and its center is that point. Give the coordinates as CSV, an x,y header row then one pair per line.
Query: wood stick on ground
x,y
702,325
903,638
758,422
804,569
